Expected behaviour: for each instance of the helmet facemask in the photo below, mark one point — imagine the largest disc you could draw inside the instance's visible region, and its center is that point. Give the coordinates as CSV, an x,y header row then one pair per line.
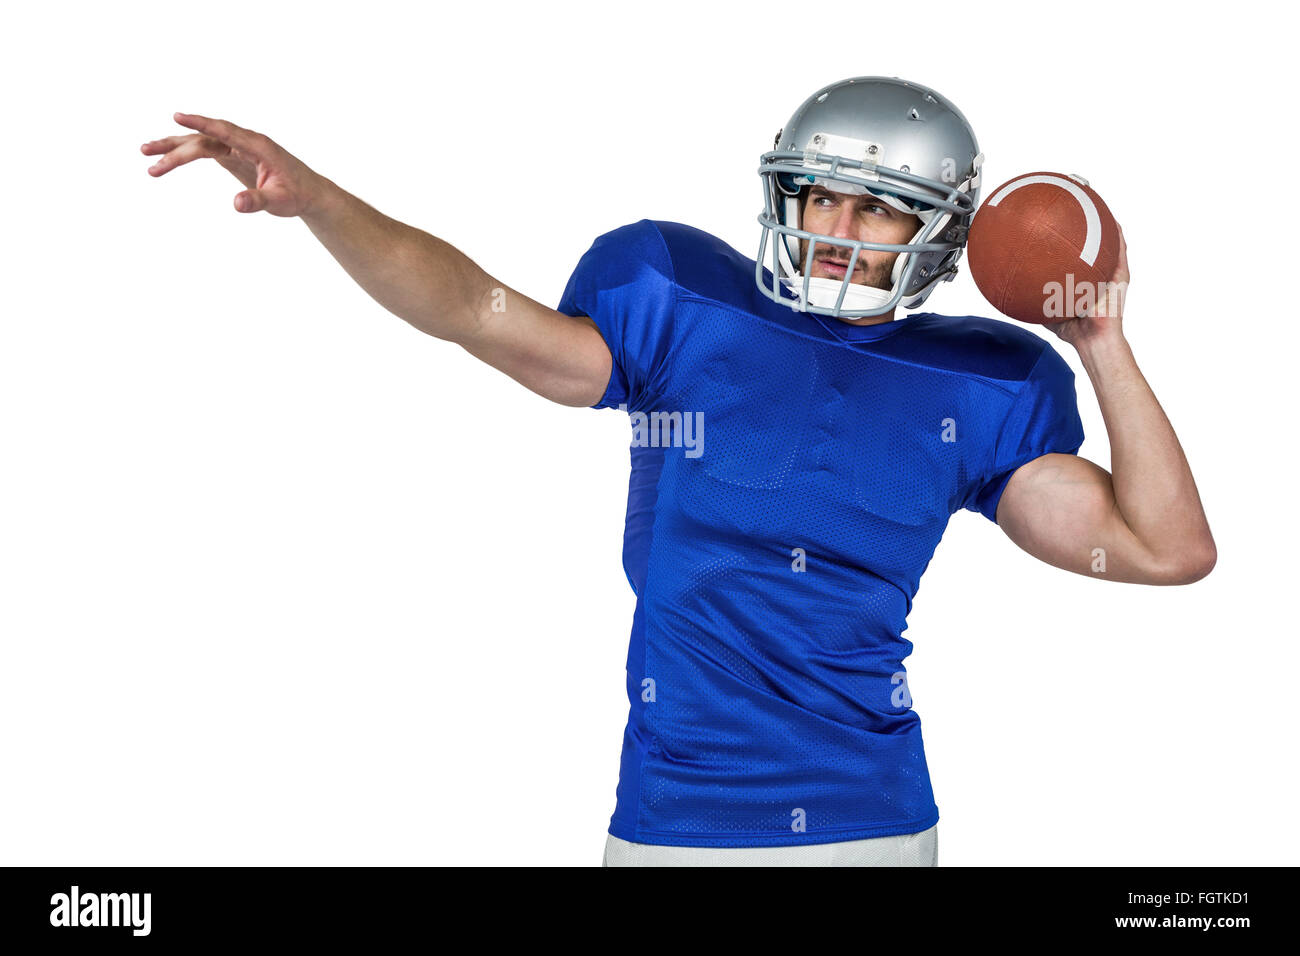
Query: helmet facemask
x,y
873,290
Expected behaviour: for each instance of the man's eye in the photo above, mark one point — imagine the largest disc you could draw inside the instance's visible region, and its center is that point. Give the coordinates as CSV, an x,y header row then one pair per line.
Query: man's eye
x,y
876,209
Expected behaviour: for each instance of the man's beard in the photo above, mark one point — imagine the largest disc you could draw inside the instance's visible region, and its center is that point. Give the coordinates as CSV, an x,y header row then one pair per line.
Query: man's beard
x,y
878,274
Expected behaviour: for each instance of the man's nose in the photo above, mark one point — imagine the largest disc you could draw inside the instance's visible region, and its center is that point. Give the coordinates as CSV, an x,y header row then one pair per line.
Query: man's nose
x,y
844,224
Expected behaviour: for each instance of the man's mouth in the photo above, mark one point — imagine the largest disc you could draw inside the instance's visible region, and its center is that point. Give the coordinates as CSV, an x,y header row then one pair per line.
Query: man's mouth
x,y
835,267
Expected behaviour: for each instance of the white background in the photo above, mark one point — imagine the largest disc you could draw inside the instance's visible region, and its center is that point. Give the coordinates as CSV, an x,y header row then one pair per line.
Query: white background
x,y
286,581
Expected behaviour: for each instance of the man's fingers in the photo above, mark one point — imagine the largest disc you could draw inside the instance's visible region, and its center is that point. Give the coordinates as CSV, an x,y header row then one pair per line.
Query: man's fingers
x,y
250,157
184,153
1121,268
161,145
242,139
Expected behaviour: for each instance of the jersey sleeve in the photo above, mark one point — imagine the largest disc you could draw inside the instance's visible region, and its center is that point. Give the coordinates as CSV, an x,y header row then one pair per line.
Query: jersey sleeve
x,y
625,284
1043,419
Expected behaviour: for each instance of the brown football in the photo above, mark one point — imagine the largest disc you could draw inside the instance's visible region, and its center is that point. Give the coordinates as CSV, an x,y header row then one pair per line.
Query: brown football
x,y
1042,247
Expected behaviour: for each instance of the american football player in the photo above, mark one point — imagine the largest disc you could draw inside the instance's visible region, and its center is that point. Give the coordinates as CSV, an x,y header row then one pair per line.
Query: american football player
x,y
797,451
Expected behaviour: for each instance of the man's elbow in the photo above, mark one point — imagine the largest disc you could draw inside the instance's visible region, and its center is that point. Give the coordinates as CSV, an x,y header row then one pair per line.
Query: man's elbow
x,y
1191,566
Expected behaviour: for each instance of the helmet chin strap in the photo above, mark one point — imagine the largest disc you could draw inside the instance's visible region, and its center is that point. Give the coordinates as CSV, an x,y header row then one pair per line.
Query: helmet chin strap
x,y
824,292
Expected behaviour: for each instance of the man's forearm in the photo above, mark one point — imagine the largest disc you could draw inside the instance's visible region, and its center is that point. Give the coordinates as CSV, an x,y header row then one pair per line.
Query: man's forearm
x,y
1154,488
416,276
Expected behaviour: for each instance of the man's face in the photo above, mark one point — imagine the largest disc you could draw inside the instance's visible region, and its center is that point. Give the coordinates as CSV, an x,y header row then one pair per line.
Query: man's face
x,y
865,218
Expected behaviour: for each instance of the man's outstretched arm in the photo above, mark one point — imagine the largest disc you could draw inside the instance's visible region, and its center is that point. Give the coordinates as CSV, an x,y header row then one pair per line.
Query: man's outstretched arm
x,y
416,276
1144,522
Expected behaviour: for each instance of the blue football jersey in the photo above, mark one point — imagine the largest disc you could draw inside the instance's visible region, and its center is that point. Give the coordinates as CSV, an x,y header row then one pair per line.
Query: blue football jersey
x,y
791,476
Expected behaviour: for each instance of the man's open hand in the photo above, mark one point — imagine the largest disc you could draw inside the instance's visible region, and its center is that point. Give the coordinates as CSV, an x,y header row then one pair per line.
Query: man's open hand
x,y
275,180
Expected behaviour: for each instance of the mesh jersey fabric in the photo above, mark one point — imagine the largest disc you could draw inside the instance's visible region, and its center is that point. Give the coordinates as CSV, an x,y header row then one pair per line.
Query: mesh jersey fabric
x,y
791,477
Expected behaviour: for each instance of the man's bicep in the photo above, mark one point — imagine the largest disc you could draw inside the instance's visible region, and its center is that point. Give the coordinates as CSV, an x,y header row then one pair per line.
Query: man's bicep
x,y
561,357
1062,510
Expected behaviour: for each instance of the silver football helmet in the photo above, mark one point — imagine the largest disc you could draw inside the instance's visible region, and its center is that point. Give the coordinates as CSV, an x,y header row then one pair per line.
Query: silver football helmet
x,y
897,140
